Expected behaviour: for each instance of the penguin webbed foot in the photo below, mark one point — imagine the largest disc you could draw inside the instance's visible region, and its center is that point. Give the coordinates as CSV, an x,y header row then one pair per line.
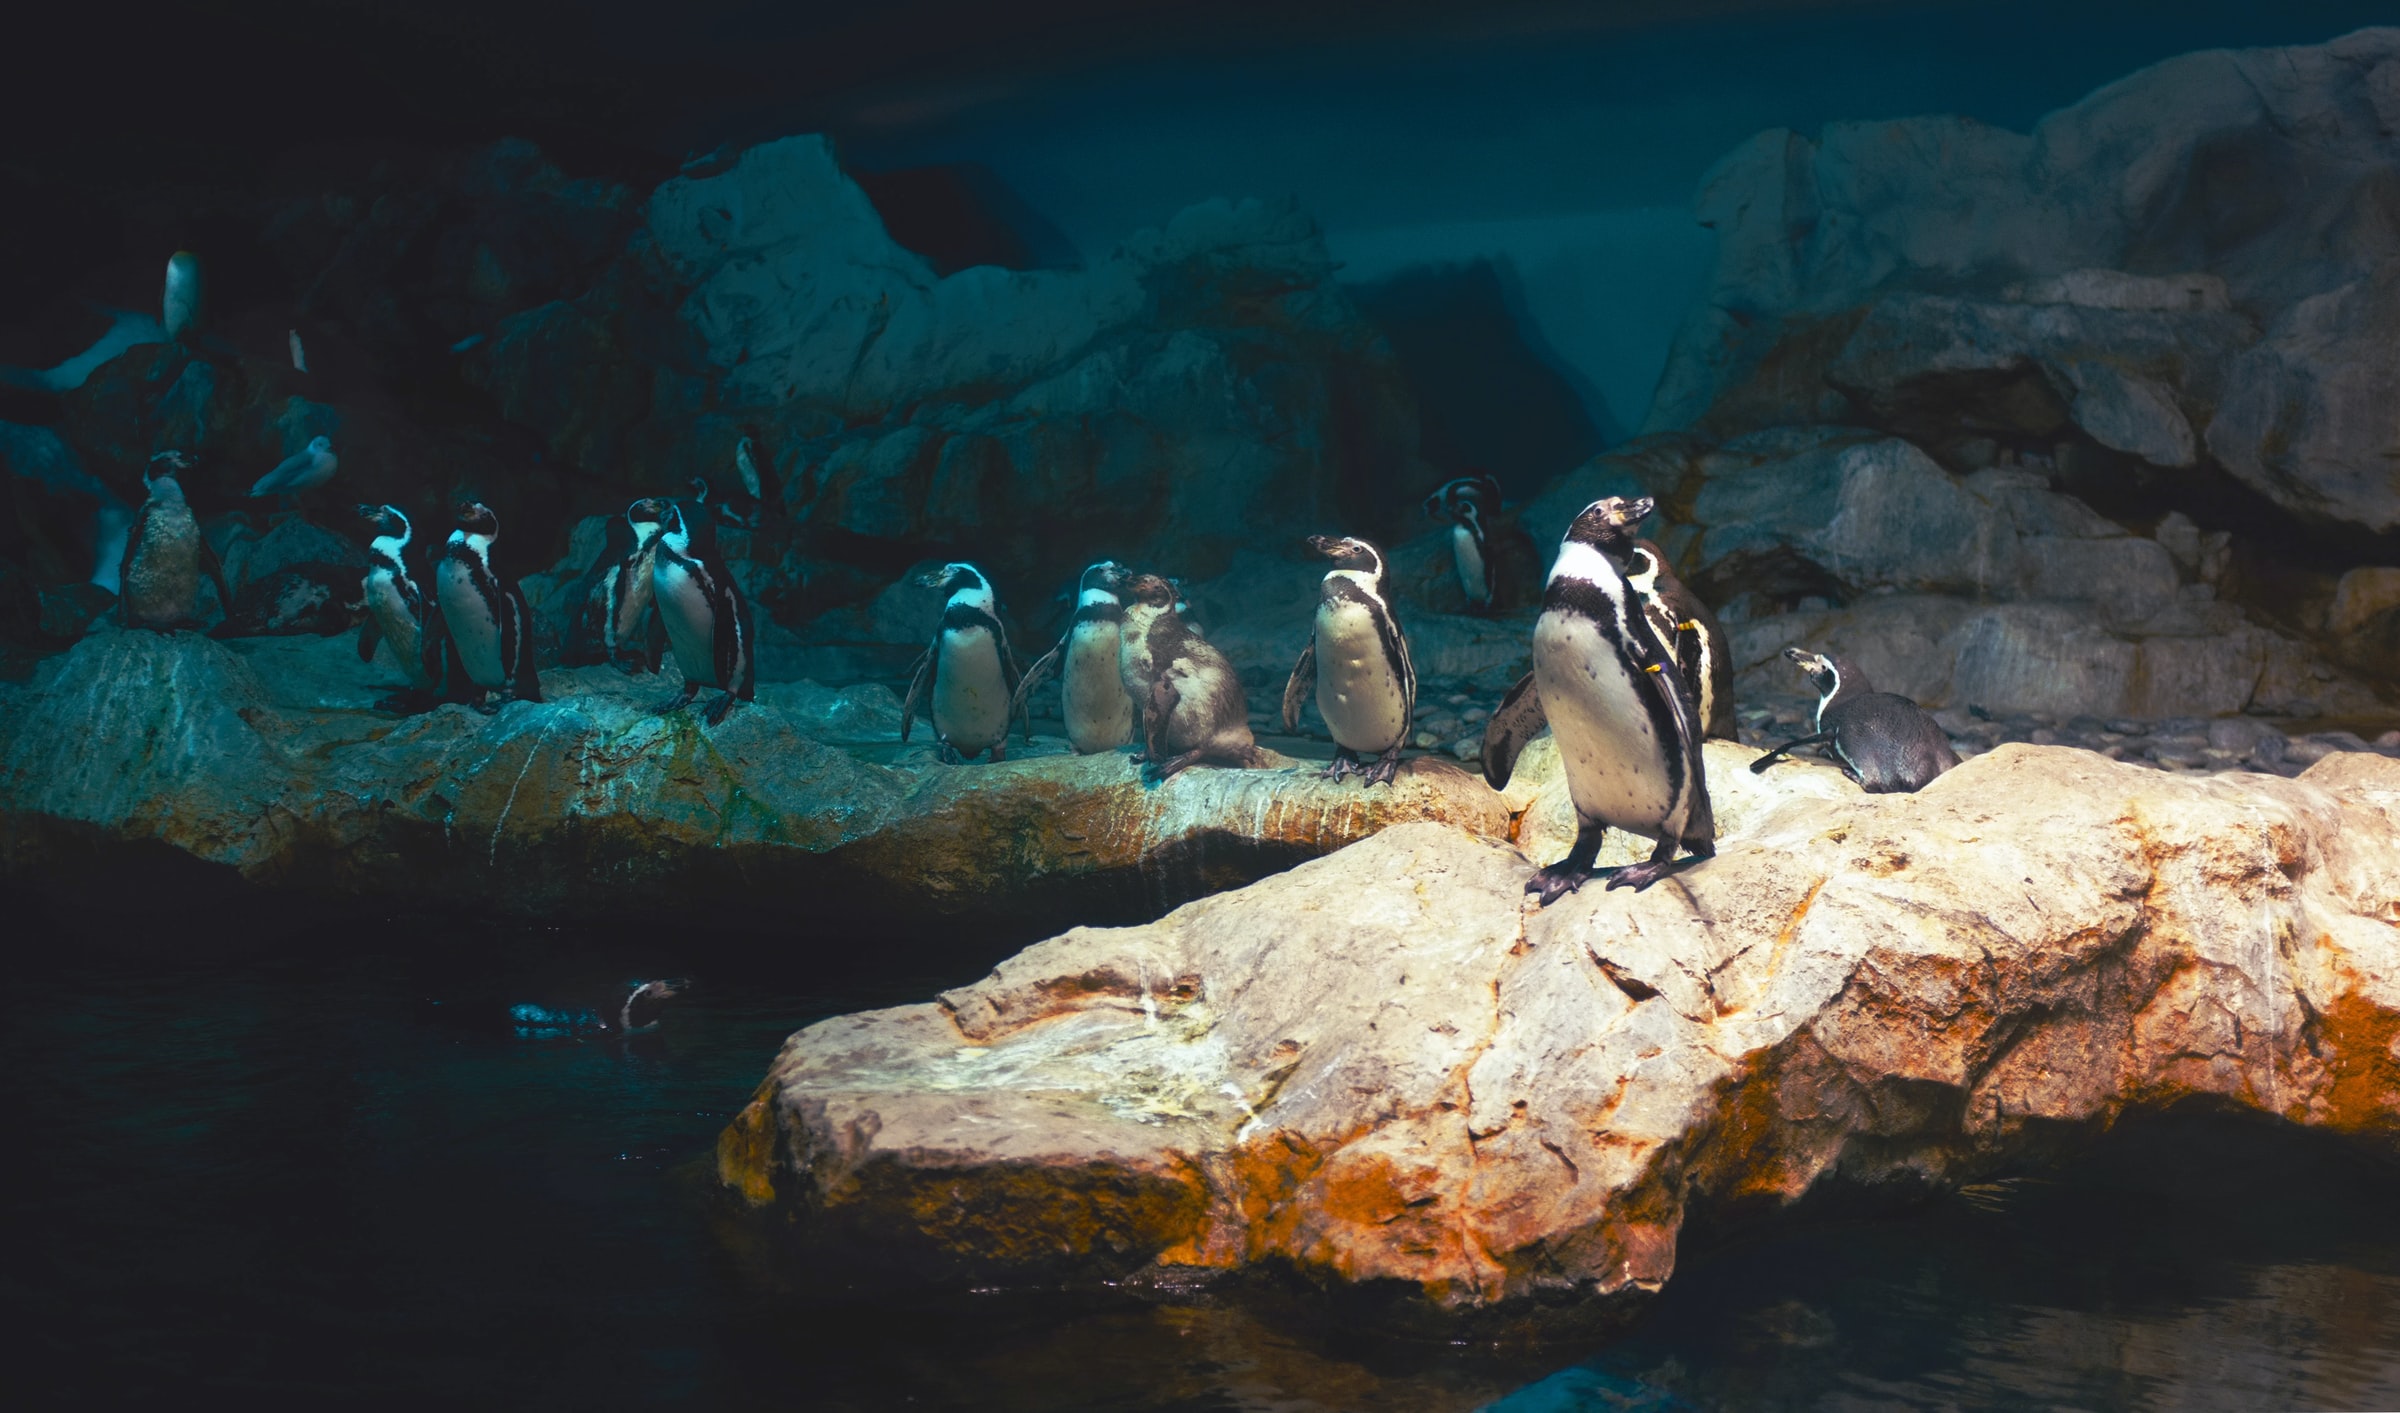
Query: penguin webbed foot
x,y
717,710
1558,880
1662,861
1385,770
1159,772
1345,764
947,754
677,702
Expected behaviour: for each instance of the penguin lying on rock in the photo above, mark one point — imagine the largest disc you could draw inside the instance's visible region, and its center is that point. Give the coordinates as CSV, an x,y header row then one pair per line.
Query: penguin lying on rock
x,y
967,676
1357,662
1194,710
1628,731
1882,740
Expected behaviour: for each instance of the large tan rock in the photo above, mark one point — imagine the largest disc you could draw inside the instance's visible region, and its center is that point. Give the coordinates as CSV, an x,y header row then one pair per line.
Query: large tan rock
x,y
263,764
1385,1067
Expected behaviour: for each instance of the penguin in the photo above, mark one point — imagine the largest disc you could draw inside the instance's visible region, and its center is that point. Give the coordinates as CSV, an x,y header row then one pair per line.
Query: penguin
x,y
706,616
396,606
1882,740
181,306
608,608
1468,503
1091,692
159,577
1627,729
1692,637
310,597
1357,661
967,676
1194,710
487,627
311,466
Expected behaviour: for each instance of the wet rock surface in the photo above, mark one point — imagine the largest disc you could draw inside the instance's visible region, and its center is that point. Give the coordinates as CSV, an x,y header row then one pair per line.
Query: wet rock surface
x,y
1383,1070
261,762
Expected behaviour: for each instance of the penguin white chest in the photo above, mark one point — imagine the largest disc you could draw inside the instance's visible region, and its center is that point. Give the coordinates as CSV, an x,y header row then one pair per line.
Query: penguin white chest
x,y
1092,690
1358,686
474,623
392,615
1615,758
1468,556
691,621
970,695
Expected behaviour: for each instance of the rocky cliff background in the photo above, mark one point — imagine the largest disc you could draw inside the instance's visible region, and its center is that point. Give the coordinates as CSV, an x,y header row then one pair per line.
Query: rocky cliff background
x,y
2088,421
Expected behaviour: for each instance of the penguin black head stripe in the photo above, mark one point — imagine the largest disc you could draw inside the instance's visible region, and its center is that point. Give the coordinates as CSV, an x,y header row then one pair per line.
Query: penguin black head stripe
x,y
1100,578
384,521
476,518
1837,679
1148,589
1347,553
951,578
167,465
1607,525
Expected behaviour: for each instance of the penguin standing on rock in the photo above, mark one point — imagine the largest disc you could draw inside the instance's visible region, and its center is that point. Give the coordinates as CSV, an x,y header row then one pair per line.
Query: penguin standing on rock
x,y
967,675
487,627
158,581
1357,661
1092,697
607,608
1691,634
396,606
1882,740
707,618
1628,732
1194,710
1468,503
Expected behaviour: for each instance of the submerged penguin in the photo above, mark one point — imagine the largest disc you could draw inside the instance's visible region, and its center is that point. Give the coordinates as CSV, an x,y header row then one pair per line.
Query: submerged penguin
x,y
608,609
158,581
1882,740
1357,662
1468,504
1628,732
396,607
1091,692
1692,637
311,466
487,628
182,305
1194,710
706,615
967,676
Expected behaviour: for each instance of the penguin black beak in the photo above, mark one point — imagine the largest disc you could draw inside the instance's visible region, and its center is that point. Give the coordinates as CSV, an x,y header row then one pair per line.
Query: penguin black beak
x,y
932,579
1330,546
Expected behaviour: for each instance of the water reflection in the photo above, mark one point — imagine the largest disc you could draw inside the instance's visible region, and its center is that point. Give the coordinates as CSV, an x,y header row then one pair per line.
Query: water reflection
x,y
344,1174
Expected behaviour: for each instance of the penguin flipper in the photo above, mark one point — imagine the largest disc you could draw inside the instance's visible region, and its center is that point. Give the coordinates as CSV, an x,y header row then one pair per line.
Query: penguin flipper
x,y
133,540
1295,691
214,568
370,632
920,688
1518,720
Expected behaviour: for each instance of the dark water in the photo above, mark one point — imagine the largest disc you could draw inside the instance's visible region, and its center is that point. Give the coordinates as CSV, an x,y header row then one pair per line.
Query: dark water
x,y
338,1173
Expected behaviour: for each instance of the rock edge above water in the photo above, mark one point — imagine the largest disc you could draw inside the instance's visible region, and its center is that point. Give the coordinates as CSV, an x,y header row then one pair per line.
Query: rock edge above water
x,y
262,763
1382,1069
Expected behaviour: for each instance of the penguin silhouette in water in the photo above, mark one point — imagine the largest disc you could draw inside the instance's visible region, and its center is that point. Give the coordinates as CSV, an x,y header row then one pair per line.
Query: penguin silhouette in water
x,y
158,581
1627,729
637,1014
1882,740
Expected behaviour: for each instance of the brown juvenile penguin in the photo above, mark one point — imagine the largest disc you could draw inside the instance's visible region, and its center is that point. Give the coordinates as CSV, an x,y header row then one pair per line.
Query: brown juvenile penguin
x,y
1193,708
